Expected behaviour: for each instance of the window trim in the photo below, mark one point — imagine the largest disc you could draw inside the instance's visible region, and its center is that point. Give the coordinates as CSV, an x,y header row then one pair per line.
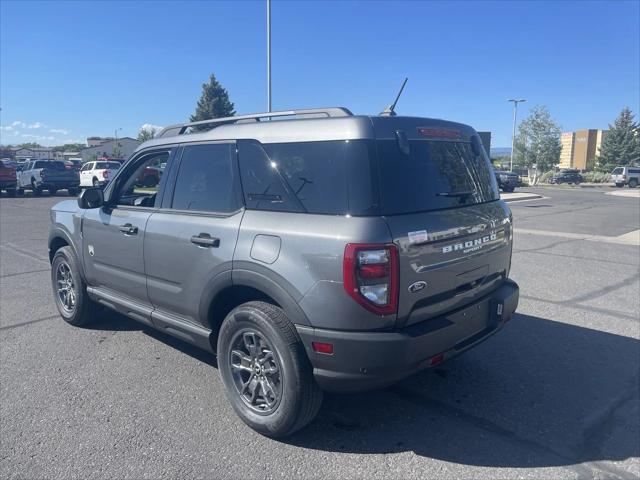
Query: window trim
x,y
167,203
127,167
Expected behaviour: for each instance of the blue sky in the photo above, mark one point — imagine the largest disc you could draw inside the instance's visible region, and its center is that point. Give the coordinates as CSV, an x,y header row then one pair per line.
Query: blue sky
x,y
69,70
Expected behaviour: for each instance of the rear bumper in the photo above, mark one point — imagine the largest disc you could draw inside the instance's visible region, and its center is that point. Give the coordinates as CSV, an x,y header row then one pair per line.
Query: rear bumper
x,y
369,360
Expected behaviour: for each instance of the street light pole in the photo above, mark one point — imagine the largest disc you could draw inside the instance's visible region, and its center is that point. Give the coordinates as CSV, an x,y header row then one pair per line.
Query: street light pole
x,y
513,136
269,55
115,147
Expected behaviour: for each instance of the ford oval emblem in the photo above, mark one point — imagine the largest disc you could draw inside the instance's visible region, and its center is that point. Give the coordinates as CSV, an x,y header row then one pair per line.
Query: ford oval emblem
x,y
417,286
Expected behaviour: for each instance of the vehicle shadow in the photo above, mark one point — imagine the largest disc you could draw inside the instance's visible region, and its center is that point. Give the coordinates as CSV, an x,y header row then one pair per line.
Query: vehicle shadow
x,y
112,321
538,394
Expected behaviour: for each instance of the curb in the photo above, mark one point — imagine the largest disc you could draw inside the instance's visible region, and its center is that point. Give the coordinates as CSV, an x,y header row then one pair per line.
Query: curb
x,y
518,197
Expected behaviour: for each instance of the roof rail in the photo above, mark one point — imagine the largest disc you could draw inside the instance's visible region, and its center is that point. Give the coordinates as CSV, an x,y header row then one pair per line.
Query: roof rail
x,y
181,128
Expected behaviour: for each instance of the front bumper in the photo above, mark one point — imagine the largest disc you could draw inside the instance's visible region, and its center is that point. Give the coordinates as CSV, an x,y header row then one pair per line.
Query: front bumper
x,y
369,360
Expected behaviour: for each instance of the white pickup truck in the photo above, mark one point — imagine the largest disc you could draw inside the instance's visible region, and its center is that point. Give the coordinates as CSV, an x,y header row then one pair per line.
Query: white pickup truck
x,y
97,174
51,175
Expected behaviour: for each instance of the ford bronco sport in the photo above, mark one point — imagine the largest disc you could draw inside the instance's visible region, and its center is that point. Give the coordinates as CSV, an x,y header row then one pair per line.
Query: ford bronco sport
x,y
309,250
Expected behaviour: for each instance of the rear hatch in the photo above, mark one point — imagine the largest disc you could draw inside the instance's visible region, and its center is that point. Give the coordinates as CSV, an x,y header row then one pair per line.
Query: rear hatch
x,y
440,199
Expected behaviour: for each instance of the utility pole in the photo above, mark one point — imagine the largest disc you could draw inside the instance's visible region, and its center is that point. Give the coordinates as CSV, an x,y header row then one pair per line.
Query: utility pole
x,y
269,55
116,150
513,136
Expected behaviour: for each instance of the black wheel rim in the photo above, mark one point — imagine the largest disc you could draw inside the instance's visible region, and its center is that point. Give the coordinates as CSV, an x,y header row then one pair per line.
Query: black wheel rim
x,y
255,371
66,287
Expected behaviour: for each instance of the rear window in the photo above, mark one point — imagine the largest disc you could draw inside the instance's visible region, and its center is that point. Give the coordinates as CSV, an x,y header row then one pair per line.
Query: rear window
x,y
107,165
330,177
50,165
434,175
617,171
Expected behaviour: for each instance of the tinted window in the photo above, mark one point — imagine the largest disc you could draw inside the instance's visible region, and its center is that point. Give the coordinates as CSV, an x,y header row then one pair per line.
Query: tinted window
x,y
206,180
634,170
617,171
50,165
433,175
332,178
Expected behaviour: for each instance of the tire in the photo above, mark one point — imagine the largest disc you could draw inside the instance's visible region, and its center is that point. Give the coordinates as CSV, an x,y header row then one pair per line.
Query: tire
x,y
73,191
294,398
96,183
11,192
633,183
52,191
75,306
619,185
507,189
20,192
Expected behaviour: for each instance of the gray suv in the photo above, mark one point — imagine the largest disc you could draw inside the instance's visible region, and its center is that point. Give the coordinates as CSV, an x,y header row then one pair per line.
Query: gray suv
x,y
309,250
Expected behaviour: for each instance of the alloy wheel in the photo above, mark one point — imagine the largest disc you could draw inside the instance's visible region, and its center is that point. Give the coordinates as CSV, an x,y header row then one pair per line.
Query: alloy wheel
x,y
255,371
66,287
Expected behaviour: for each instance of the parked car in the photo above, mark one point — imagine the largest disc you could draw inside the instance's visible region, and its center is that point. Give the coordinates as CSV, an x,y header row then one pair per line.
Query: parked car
x,y
51,175
622,176
74,163
339,252
8,181
567,176
97,174
507,181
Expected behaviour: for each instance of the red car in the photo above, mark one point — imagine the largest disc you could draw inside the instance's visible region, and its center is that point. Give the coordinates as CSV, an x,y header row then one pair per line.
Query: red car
x,y
8,180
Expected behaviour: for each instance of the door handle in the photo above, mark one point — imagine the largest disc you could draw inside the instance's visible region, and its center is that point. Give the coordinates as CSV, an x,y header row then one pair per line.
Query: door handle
x,y
128,229
205,240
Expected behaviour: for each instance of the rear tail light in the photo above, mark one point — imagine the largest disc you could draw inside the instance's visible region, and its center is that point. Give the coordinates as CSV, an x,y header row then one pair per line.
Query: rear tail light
x,y
624,177
105,174
370,273
41,173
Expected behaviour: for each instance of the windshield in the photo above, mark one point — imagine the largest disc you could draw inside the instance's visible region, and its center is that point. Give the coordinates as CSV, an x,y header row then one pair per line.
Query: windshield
x,y
434,175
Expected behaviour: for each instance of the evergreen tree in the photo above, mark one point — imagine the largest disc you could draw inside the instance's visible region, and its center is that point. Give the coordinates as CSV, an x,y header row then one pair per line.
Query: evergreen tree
x,y
621,144
538,141
214,102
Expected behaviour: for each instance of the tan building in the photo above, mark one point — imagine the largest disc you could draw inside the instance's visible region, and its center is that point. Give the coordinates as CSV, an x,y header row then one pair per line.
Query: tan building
x,y
579,148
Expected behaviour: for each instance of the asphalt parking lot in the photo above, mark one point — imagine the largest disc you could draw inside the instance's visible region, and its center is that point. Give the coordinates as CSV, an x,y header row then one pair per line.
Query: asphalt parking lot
x,y
554,395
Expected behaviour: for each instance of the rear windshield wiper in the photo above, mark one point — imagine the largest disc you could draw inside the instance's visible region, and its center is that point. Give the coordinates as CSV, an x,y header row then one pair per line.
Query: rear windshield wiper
x,y
456,194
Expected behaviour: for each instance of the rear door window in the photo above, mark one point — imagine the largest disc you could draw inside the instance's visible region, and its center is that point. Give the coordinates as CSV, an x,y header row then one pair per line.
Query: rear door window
x,y
433,175
207,179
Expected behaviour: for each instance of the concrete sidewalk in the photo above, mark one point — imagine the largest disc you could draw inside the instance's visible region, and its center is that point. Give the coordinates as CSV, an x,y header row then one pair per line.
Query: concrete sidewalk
x,y
627,192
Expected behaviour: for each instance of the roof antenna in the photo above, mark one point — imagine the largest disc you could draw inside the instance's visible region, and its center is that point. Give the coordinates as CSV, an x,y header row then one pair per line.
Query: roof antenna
x,y
390,110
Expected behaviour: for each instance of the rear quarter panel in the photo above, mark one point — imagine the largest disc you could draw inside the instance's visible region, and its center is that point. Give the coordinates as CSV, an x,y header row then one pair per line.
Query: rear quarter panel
x,y
308,262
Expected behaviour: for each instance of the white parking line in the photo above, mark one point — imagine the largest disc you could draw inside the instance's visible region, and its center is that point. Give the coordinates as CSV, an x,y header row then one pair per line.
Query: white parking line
x,y
630,238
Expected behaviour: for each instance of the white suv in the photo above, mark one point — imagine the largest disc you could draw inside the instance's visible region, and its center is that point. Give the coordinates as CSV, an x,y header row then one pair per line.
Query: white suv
x,y
97,174
622,176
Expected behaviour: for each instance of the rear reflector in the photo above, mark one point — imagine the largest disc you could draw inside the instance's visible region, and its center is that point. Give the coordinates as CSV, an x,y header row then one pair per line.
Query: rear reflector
x,y
436,360
319,347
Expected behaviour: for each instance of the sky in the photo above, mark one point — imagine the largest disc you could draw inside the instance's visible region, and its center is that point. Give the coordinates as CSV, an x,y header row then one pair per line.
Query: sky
x,y
69,70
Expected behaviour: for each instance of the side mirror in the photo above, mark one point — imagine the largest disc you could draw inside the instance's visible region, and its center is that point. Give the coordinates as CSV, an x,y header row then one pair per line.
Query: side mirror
x,y
91,198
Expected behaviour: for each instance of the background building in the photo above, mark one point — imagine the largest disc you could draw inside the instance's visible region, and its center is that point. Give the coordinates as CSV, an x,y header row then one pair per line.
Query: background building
x,y
580,148
108,148
37,153
486,141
